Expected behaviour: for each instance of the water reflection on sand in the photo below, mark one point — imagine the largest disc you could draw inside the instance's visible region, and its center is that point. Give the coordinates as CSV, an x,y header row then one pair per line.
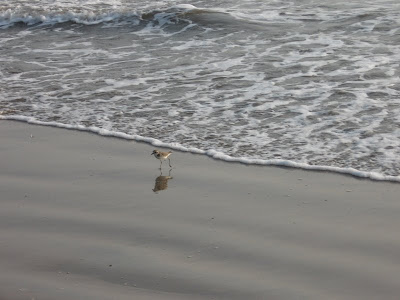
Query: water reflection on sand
x,y
161,182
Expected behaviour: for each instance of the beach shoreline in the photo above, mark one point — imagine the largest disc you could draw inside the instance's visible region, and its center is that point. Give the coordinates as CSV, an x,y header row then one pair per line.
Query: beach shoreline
x,y
85,216
210,153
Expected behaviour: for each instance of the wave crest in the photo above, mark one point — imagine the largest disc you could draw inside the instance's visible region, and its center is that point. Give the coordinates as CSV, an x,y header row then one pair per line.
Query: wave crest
x,y
11,18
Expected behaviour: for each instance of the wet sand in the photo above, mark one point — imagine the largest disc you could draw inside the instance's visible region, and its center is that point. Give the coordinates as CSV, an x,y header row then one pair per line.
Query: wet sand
x,y
88,217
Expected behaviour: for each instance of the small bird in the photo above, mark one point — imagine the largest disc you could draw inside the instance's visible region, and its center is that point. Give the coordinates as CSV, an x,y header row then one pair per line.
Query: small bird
x,y
162,156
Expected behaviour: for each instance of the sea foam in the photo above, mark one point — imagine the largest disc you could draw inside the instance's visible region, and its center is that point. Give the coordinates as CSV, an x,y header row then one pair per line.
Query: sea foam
x,y
300,86
210,153
10,17
86,17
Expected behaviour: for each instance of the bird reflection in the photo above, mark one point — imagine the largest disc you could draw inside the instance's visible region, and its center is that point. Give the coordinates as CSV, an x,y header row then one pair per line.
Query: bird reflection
x,y
162,182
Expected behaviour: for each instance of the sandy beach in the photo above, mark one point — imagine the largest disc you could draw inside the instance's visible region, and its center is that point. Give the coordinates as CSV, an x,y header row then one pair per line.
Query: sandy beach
x,y
88,217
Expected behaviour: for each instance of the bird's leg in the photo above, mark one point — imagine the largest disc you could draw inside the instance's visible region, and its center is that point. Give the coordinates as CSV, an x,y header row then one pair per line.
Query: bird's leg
x,y
160,164
169,161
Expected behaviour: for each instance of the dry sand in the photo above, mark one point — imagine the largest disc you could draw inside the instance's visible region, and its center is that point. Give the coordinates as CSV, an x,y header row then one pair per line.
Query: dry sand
x,y
79,220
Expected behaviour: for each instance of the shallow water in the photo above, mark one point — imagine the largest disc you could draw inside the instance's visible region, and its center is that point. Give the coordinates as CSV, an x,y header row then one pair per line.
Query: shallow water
x,y
304,83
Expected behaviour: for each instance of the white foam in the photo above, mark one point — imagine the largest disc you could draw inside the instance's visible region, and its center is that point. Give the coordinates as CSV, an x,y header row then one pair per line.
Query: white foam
x,y
211,153
260,93
85,17
186,7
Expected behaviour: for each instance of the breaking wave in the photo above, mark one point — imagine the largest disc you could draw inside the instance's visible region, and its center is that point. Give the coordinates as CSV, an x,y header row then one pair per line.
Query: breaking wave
x,y
87,17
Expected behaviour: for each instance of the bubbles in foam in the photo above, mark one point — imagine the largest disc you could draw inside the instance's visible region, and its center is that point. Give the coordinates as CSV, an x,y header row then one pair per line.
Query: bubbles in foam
x,y
300,86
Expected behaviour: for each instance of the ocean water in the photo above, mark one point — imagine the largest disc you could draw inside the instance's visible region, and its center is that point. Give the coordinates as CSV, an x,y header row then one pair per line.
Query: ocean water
x,y
305,83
